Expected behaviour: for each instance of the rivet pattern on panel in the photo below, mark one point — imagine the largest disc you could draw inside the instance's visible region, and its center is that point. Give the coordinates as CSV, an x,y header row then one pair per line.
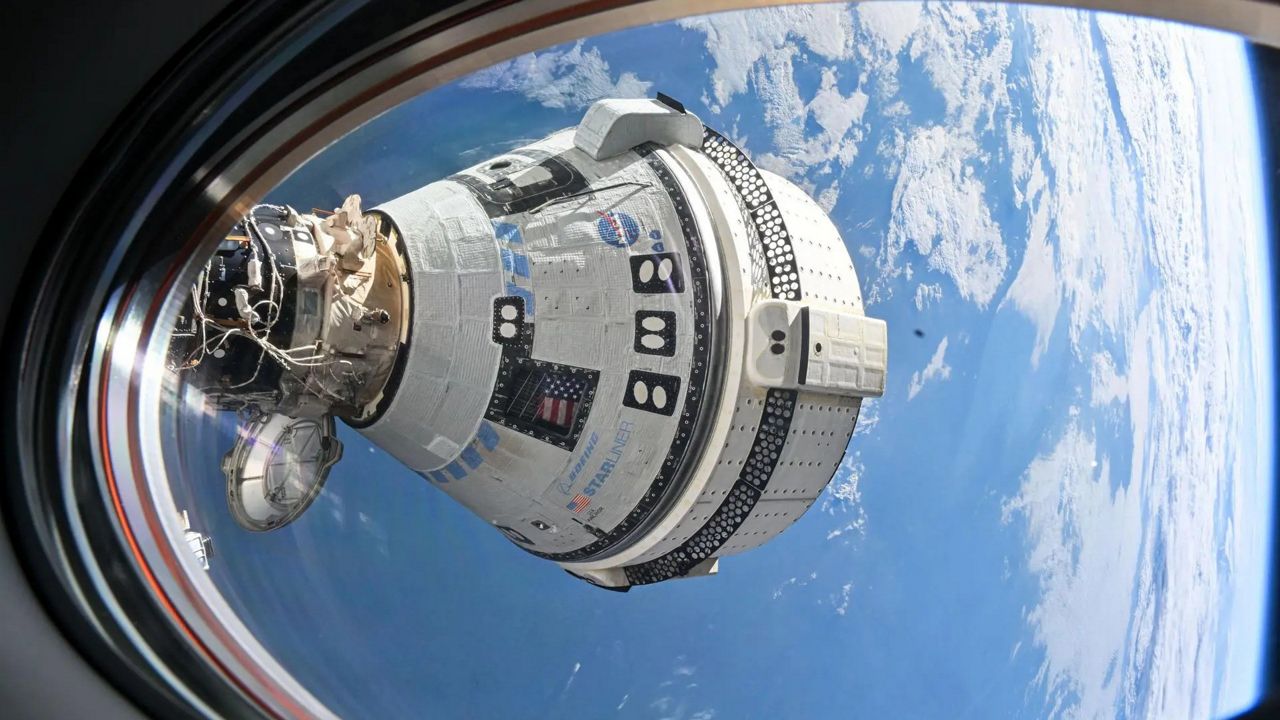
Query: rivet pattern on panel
x,y
762,209
775,422
674,466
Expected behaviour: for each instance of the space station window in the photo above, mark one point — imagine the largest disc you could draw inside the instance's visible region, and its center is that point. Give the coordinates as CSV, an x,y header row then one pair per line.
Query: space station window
x,y
319,326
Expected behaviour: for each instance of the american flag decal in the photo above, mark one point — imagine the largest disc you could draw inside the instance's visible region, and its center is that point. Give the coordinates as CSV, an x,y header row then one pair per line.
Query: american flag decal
x,y
560,396
579,503
544,400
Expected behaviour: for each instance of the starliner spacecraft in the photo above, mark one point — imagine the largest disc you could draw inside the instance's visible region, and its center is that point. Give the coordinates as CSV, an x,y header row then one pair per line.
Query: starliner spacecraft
x,y
625,346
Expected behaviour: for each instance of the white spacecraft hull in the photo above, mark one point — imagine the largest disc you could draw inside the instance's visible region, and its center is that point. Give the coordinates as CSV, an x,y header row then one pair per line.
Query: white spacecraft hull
x,y
624,346
630,350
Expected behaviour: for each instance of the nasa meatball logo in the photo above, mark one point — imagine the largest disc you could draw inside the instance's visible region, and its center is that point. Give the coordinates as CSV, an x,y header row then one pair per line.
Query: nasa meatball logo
x,y
618,228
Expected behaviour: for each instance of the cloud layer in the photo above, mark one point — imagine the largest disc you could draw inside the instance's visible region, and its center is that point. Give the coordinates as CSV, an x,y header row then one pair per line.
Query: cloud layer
x,y
572,78
936,370
1131,560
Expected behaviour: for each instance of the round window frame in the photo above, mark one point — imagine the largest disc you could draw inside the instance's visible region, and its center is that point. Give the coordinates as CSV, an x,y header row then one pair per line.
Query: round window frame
x,y
226,121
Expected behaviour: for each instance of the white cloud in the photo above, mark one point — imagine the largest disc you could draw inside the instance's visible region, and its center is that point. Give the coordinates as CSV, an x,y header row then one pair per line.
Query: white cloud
x,y
843,605
839,118
623,704
888,24
796,152
1107,385
939,209
844,490
1084,549
966,50
1094,210
833,534
844,496
762,47
573,674
828,197
739,41
777,593
790,582
572,78
937,369
1035,290
1023,162
927,294
868,418
1151,257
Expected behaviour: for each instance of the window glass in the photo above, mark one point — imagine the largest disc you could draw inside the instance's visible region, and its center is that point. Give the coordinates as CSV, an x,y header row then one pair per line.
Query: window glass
x,y
1060,506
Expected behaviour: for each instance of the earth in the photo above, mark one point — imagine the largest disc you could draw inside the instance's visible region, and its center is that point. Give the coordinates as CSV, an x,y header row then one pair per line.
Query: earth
x,y
1059,506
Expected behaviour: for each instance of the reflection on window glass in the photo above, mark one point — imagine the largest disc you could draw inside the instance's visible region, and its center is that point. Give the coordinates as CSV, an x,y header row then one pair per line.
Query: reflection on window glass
x,y
546,399
1059,506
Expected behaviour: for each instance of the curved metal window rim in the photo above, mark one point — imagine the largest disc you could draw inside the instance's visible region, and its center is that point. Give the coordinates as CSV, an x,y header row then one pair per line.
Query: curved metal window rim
x,y
222,126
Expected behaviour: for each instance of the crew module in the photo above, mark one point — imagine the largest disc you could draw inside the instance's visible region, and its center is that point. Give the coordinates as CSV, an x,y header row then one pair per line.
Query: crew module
x,y
624,346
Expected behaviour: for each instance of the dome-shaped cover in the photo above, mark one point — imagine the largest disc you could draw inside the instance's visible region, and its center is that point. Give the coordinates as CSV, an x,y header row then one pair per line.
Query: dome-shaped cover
x,y
277,468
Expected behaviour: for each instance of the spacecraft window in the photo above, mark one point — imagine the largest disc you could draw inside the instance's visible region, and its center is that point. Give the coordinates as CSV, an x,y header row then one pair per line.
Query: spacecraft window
x,y
547,399
1062,504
